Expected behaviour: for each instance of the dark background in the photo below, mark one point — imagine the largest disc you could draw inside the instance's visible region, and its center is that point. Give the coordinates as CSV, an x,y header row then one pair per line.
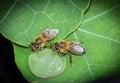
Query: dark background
x,y
8,70
10,73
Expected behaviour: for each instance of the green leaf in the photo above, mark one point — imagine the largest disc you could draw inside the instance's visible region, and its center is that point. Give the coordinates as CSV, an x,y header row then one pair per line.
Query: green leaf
x,y
27,19
100,32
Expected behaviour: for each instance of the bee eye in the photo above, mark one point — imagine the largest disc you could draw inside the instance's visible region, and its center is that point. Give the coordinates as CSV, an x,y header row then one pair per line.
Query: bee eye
x,y
35,45
32,44
56,46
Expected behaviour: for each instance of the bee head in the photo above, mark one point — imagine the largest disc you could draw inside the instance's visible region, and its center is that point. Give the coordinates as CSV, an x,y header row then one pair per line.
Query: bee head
x,y
56,46
34,46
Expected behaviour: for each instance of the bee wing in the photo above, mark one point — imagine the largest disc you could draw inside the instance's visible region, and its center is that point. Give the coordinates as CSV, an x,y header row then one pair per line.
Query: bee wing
x,y
76,48
50,33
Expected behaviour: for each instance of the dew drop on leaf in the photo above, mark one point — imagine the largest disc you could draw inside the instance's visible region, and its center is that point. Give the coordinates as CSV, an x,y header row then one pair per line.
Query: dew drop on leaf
x,y
46,63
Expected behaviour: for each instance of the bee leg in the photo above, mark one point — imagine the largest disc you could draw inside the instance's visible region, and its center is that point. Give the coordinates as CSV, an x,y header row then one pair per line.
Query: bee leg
x,y
59,52
33,50
40,48
51,46
62,54
70,59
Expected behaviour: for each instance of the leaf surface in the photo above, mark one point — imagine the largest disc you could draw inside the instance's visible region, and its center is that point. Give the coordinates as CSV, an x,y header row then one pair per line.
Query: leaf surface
x,y
27,19
24,20
99,33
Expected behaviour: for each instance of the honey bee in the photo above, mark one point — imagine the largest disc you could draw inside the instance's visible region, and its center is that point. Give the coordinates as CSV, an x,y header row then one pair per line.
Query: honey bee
x,y
41,40
69,47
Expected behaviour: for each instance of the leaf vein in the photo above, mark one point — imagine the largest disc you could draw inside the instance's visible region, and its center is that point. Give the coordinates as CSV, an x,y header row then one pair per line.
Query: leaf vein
x,y
96,16
8,11
97,35
101,65
88,65
47,71
75,5
47,5
55,21
28,6
27,28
